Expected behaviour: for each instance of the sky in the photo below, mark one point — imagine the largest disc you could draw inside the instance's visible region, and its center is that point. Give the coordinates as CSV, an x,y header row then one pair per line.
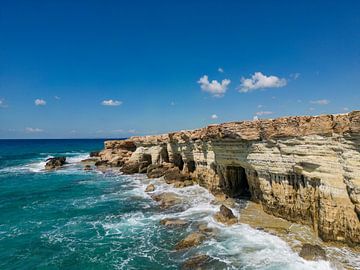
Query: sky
x,y
113,69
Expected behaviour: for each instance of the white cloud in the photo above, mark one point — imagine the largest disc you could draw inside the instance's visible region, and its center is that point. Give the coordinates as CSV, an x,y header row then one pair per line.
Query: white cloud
x,y
33,130
263,113
40,102
220,70
320,102
214,116
295,76
214,87
57,97
2,104
132,131
260,106
260,81
346,109
111,102
255,118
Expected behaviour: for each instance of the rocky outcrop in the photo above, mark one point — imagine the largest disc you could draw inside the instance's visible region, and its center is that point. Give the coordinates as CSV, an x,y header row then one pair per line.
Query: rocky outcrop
x,y
193,239
312,252
55,163
225,216
304,169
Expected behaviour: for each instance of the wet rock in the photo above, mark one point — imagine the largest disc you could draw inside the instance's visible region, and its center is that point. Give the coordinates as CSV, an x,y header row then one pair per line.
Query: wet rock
x,y
89,160
101,163
150,188
169,222
174,175
193,239
167,199
54,163
225,200
94,154
225,216
87,168
197,262
312,252
130,168
203,228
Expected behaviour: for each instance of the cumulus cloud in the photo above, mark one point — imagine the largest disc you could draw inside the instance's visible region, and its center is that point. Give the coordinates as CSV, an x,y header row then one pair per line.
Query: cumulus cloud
x,y
263,113
111,102
33,130
214,87
260,81
320,101
214,116
220,70
40,102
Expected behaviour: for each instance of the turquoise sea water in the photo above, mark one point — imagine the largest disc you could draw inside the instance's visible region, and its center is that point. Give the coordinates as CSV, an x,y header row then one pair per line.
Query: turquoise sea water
x,y
74,219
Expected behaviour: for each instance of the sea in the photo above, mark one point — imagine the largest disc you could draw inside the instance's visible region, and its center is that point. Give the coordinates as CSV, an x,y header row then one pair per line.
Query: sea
x,y
76,219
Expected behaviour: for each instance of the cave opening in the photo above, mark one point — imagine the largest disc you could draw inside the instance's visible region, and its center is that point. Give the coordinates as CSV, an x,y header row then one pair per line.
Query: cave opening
x,y
178,161
237,182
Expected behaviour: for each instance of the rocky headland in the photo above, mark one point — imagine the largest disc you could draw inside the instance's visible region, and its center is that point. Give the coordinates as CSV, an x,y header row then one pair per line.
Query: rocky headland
x,y
304,169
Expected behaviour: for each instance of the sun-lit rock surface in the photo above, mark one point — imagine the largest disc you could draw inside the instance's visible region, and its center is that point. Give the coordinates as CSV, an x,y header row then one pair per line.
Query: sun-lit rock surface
x,y
305,169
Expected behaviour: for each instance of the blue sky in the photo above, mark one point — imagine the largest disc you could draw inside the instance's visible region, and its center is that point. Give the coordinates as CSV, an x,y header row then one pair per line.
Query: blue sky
x,y
85,69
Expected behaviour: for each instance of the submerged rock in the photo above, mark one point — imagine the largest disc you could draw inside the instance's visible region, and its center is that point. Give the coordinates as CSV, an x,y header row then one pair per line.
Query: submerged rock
x,y
225,216
54,163
312,252
150,188
193,239
169,222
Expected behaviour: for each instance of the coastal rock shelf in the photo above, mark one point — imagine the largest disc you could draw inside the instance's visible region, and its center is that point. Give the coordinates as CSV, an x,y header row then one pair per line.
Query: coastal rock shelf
x,y
304,169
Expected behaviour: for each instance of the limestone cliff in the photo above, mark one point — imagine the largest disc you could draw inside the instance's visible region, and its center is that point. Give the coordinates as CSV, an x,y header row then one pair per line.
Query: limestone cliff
x,y
305,169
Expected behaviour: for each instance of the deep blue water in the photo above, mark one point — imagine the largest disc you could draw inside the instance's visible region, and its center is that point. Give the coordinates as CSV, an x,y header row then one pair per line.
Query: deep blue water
x,y
74,219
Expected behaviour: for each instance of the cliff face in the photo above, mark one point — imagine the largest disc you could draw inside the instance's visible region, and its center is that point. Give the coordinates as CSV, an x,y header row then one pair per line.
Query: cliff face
x,y
304,169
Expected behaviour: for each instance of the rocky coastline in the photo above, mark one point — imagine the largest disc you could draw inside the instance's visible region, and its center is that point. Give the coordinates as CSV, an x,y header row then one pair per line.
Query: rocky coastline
x,y
304,169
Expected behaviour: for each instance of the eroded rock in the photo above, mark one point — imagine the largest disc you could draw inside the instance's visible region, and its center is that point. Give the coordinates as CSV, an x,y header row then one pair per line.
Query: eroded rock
x,y
150,188
171,222
225,216
167,199
55,163
312,252
193,239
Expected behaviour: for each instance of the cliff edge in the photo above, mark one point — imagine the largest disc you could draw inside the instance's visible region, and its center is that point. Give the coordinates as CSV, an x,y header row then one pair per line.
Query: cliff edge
x,y
304,168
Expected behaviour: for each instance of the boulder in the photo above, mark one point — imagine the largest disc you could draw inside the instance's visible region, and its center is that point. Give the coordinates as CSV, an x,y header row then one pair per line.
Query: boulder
x,y
167,199
54,163
193,239
169,222
94,154
312,252
174,175
150,188
130,168
225,216
158,170
203,228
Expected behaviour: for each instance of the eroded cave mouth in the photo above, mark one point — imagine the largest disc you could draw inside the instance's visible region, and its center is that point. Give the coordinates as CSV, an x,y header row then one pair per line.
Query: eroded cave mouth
x,y
237,182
